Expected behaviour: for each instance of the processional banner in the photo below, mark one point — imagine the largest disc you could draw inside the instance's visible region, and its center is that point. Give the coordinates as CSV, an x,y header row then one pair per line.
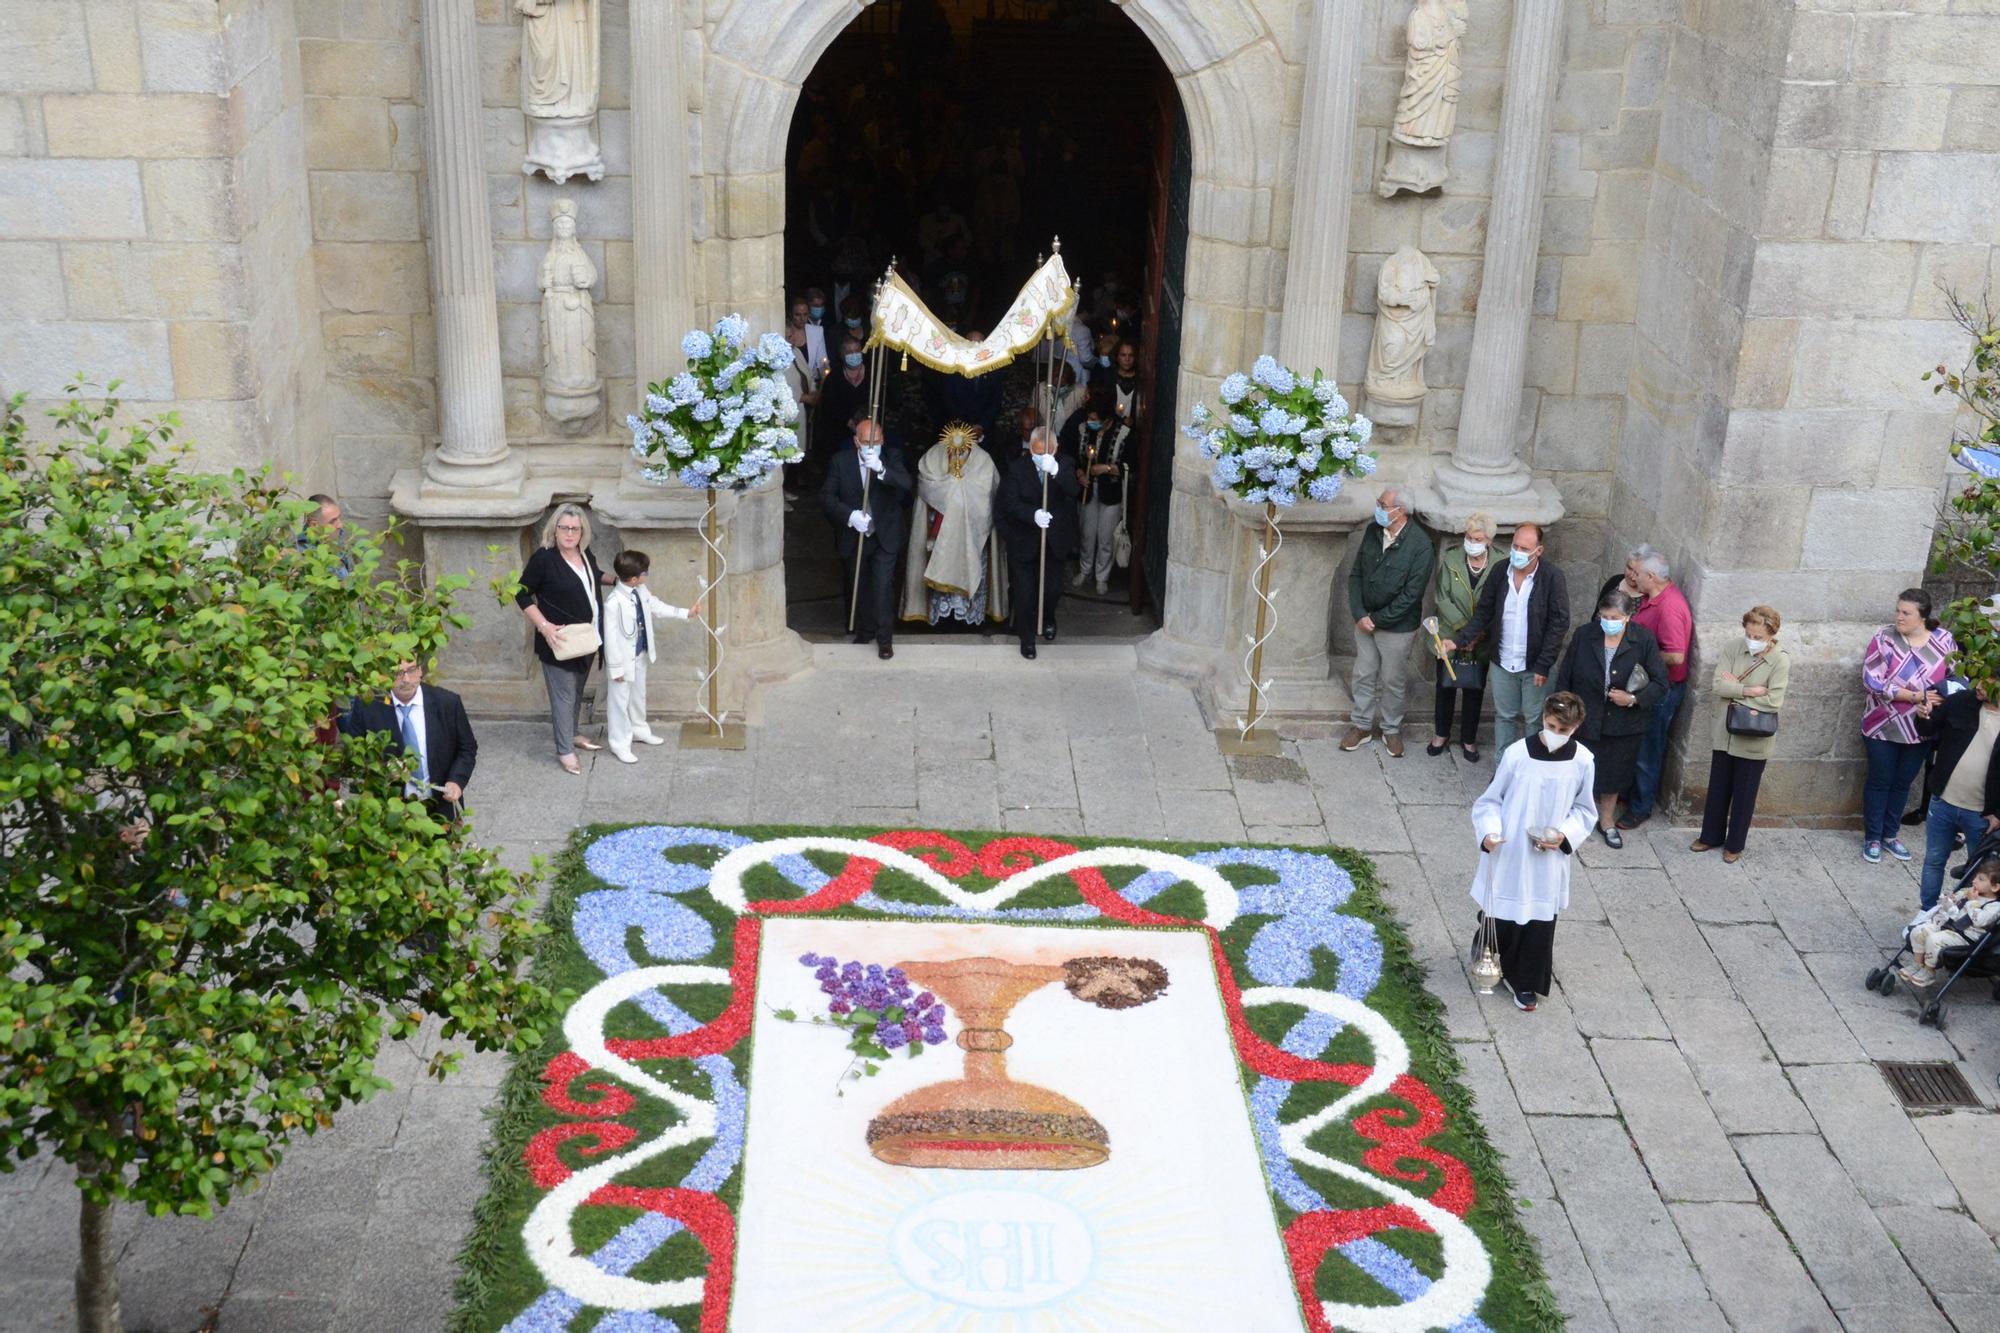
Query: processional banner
x,y
904,323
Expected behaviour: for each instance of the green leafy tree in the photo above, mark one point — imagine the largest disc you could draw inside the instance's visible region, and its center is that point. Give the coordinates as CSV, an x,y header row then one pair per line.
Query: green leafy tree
x,y
1966,551
213,918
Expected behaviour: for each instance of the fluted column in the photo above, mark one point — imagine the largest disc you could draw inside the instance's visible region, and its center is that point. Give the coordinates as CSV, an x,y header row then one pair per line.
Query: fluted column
x,y
1316,268
661,240
1484,462
472,420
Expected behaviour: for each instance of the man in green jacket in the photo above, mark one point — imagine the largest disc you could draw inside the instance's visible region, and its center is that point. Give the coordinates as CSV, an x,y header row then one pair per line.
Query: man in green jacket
x,y
1385,594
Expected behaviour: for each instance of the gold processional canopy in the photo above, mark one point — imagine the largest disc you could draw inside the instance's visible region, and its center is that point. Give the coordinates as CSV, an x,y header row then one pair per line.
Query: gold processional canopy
x,y
903,322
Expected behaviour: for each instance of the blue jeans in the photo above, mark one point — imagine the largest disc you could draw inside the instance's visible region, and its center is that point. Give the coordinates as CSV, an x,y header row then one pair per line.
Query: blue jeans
x,y
1653,754
1945,820
1892,767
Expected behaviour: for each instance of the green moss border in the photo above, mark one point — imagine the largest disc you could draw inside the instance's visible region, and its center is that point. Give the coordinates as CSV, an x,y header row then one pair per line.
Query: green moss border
x,y
1519,1296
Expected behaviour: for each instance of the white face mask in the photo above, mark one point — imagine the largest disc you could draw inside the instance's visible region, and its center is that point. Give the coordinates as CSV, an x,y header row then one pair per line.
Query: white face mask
x,y
1755,645
1475,549
1554,740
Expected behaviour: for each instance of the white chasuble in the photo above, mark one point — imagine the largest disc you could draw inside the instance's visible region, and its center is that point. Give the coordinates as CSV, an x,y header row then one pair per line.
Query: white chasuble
x,y
1515,882
955,483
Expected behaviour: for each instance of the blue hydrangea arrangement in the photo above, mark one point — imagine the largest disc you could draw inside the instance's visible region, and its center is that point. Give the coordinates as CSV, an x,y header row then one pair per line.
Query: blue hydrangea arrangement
x,y
728,420
1281,438
877,1008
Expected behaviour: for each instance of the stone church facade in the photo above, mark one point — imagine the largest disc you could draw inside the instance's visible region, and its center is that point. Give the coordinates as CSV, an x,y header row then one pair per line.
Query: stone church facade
x,y
1690,256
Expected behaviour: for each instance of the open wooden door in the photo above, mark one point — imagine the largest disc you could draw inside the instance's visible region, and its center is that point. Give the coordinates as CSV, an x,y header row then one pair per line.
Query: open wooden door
x,y
1160,354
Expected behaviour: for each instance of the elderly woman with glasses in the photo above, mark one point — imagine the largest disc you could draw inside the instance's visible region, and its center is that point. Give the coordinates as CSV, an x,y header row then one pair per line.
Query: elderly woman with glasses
x,y
559,587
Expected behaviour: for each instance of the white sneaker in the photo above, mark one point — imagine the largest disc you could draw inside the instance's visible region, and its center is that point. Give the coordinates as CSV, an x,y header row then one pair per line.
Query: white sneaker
x,y
625,756
1076,579
1103,587
648,738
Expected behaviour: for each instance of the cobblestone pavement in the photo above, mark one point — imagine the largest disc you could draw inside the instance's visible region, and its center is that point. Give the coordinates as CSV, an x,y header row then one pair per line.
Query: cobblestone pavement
x,y
1694,1120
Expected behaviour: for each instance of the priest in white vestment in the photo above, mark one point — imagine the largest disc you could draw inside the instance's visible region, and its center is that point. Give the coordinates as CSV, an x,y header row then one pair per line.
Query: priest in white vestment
x,y
954,569
1529,822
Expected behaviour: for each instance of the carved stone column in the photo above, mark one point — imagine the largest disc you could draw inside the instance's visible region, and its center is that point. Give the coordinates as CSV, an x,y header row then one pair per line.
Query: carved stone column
x,y
1316,268
663,291
1484,462
472,448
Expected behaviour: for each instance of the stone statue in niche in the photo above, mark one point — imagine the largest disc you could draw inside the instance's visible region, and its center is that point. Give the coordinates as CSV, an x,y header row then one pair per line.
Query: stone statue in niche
x,y
559,82
1427,107
572,393
1405,328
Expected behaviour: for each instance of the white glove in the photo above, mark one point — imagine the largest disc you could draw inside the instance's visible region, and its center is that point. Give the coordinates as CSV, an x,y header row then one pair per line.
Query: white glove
x,y
1042,517
871,458
860,522
1047,463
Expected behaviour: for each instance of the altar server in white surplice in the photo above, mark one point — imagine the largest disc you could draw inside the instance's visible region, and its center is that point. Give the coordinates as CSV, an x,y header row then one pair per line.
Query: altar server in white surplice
x,y
1529,822
954,570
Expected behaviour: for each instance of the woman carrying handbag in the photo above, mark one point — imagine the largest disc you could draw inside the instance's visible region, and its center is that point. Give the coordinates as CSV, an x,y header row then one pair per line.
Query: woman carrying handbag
x,y
1461,574
1750,685
559,597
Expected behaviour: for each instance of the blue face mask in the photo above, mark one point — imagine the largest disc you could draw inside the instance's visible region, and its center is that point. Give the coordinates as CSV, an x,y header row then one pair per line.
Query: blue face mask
x,y
816,311
1103,360
1093,425
1520,559
1382,517
852,358
1611,628
854,323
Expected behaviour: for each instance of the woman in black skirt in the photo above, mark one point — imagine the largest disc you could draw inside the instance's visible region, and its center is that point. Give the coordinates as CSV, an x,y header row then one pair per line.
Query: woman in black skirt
x,y
1615,667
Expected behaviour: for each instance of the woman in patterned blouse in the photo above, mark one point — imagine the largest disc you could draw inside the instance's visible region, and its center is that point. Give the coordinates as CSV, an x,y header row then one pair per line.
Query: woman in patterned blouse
x,y
1906,664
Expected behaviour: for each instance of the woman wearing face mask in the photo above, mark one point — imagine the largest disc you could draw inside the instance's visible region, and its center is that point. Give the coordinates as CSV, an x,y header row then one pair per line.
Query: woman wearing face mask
x,y
1461,576
1616,668
1529,821
1751,671
1097,441
842,394
1903,670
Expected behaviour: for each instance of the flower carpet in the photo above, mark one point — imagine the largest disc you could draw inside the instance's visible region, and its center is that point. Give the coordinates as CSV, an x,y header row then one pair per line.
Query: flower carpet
x,y
918,1079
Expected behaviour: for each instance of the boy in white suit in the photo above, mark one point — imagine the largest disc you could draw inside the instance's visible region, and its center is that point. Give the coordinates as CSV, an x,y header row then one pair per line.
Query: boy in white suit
x,y
629,610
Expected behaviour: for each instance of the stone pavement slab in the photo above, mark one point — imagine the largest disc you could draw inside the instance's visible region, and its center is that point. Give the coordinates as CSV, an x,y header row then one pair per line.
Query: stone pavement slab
x,y
1679,1140
1964,1144
1568,1271
1750,1269
1797,1019
1598,982
1871,1134
1949,1250
1547,1059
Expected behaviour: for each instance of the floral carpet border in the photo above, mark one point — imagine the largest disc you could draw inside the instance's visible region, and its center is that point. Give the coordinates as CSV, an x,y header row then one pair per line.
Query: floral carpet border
x,y
558,1148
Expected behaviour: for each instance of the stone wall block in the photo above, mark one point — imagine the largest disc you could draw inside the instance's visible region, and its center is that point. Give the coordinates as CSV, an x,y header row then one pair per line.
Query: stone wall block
x,y
1913,439
386,278
1623,200
1974,121
45,48
1933,49
1877,529
190,199
1601,287
384,405
211,359
1863,115
1827,278
1551,360
1796,191
349,134
31,285
1872,364
365,206
38,358
133,125
370,344
181,48
1603,359
1936,197
345,68
1764,363
84,200
119,280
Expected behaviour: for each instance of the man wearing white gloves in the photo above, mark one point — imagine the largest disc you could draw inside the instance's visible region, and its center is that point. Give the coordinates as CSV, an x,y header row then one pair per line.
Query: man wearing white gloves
x,y
1023,521
876,525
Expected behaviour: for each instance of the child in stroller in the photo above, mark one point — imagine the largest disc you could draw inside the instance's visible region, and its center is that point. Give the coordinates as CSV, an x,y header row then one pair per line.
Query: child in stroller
x,y
1957,936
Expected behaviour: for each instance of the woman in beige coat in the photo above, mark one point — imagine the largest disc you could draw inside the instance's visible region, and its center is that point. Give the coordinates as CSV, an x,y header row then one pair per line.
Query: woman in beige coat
x,y
1751,671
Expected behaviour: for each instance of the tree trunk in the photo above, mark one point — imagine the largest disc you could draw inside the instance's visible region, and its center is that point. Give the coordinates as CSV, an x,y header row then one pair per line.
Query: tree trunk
x,y
96,1272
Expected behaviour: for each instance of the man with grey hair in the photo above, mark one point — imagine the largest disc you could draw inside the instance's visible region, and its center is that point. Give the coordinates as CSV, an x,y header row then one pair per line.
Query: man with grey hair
x,y
1664,610
1385,594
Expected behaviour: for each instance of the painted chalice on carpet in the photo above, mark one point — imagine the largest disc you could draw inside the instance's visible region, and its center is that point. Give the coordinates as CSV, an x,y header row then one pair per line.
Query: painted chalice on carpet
x,y
986,1120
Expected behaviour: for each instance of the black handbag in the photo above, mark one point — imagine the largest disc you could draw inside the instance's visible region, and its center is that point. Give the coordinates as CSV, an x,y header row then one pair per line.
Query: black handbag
x,y
1467,673
1743,720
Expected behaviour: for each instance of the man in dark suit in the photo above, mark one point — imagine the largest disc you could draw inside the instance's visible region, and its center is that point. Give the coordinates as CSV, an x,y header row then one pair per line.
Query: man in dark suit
x,y
1021,519
875,525
431,721
1525,613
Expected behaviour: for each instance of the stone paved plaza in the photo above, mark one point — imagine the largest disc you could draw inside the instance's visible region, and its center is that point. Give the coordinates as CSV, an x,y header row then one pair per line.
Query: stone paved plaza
x,y
1693,1120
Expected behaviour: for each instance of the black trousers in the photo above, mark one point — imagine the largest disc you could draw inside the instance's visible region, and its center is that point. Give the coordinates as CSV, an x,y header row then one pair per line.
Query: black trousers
x,y
876,617
1732,800
1465,703
1527,954
1021,587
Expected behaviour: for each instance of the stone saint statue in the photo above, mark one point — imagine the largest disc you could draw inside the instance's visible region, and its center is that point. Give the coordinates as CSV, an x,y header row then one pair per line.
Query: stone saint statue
x,y
559,68
1405,328
1427,108
572,394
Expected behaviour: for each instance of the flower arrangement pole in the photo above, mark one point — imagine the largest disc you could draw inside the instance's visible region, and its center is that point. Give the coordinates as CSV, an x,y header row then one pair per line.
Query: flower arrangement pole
x,y
1281,438
724,423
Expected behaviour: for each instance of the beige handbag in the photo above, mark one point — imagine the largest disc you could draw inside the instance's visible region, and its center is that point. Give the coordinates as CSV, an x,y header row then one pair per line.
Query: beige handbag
x,y
574,641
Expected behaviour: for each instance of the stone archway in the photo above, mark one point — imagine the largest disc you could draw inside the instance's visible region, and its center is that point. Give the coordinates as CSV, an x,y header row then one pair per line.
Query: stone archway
x,y
1229,63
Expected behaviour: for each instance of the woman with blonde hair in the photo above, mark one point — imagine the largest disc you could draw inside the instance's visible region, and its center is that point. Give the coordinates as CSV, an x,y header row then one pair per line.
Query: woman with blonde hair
x,y
559,591
1750,676
1461,576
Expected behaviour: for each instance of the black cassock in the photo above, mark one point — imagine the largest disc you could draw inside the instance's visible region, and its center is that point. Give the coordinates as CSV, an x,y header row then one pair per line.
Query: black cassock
x,y
1014,506
888,504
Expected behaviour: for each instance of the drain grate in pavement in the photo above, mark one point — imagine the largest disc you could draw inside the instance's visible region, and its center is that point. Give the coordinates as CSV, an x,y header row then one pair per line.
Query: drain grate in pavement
x,y
1925,1085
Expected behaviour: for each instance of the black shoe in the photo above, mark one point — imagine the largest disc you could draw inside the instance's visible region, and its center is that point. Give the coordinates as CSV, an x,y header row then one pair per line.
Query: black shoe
x,y
1436,748
1028,649
884,651
860,639
1613,839
1524,1000
1049,632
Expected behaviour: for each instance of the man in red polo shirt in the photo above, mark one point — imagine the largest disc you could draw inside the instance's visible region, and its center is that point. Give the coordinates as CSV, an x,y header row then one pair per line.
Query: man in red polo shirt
x,y
1664,611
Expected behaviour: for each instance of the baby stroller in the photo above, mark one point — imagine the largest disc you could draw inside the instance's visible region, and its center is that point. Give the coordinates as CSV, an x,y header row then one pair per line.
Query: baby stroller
x,y
1979,959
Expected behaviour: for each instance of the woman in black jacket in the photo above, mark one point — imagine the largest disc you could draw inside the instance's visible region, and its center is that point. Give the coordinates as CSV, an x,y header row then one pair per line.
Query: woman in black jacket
x,y
1599,666
559,586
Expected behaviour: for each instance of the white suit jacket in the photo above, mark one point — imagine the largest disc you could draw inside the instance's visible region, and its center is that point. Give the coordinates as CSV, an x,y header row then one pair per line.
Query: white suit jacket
x,y
621,626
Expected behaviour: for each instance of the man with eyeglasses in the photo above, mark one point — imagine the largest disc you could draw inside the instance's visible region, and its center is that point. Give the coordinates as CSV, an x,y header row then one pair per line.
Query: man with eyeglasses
x,y
430,723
